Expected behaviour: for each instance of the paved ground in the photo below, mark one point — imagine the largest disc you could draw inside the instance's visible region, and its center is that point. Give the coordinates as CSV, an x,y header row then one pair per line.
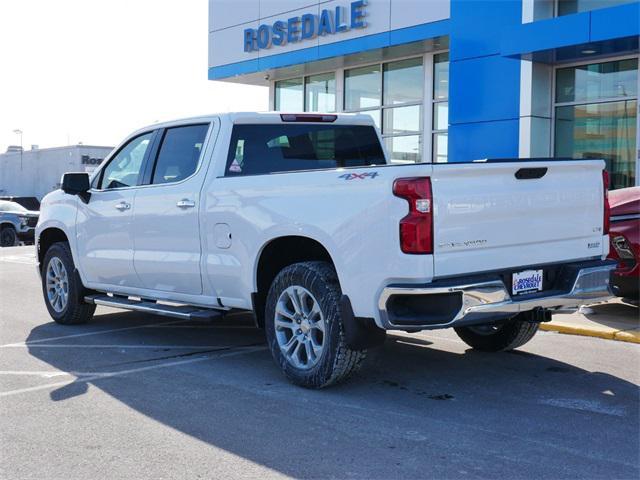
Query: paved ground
x,y
138,396
616,319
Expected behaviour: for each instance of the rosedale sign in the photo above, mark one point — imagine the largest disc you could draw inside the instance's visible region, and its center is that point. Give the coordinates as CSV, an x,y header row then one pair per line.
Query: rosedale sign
x,y
306,27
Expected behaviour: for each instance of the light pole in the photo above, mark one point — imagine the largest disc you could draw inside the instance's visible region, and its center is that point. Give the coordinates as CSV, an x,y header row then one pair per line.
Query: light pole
x,y
17,131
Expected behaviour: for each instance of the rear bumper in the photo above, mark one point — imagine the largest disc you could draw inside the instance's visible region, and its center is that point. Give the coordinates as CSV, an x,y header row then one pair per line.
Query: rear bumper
x,y
459,302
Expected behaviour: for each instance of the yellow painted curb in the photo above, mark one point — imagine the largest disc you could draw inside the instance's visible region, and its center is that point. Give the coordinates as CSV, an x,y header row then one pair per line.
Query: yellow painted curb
x,y
632,336
573,329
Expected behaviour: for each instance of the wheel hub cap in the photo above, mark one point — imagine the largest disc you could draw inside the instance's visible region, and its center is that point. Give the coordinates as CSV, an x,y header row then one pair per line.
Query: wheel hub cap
x,y
57,282
300,327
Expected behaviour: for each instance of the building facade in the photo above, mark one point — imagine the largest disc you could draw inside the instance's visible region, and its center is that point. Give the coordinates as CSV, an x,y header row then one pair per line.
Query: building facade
x,y
449,80
36,172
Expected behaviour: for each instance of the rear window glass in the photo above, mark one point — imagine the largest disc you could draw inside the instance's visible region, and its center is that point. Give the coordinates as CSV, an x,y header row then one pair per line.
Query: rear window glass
x,y
261,149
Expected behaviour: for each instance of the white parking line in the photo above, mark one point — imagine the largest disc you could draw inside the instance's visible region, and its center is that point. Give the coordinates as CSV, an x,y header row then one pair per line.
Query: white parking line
x,y
24,259
86,334
44,374
71,345
99,376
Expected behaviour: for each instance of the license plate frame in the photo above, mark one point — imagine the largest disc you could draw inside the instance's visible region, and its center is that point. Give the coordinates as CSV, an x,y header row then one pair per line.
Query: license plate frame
x,y
527,281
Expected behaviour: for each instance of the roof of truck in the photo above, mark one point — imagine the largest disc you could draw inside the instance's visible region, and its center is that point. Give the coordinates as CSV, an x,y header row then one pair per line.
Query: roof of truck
x,y
266,117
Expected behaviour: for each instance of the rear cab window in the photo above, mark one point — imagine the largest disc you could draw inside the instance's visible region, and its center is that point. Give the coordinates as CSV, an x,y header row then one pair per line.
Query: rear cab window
x,y
262,149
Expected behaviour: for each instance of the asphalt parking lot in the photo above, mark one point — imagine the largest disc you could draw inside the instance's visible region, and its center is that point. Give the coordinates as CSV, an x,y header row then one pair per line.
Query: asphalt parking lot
x,y
140,396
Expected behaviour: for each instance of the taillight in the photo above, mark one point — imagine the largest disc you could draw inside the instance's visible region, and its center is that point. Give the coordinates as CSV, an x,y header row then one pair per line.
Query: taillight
x,y
416,229
305,117
607,209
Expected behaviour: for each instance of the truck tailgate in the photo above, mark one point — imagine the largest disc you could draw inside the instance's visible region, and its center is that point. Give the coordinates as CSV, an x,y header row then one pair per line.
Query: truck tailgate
x,y
486,218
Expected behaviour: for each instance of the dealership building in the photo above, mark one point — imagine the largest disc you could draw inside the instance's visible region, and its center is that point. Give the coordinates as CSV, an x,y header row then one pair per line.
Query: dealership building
x,y
36,172
449,80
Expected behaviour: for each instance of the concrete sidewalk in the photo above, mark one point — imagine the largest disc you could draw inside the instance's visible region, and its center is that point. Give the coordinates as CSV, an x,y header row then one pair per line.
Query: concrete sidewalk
x,y
614,320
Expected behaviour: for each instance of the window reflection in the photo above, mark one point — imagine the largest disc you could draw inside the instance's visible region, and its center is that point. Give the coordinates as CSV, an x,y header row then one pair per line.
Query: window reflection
x,y
402,120
289,95
403,149
596,116
320,93
362,88
403,81
601,130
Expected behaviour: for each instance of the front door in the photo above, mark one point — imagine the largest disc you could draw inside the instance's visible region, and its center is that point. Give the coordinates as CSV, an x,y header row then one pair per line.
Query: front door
x,y
104,231
166,222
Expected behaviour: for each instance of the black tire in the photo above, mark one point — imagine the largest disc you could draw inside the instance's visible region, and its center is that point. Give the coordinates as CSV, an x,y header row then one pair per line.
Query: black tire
x,y
76,310
337,361
8,237
499,337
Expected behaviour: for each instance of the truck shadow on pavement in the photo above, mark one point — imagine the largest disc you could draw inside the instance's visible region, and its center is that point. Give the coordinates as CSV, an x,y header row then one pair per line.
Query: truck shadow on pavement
x,y
420,406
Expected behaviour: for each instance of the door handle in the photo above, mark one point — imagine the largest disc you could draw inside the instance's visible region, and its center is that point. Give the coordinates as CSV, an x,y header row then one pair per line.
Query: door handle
x,y
185,203
122,206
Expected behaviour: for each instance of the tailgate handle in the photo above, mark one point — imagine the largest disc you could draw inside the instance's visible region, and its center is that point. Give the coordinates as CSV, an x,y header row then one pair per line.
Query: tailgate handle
x,y
529,173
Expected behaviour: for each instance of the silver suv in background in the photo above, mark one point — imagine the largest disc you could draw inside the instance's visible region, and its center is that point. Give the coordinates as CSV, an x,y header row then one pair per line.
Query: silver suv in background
x,y
17,224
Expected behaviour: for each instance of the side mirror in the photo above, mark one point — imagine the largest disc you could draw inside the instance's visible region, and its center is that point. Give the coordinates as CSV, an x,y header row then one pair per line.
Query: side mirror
x,y
76,183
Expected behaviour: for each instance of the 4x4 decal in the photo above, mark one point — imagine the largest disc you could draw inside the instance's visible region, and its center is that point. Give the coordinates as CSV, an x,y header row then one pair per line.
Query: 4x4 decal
x,y
358,176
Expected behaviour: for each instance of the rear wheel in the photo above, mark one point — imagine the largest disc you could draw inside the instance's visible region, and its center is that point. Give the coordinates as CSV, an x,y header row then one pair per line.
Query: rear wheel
x,y
62,289
498,337
304,326
8,237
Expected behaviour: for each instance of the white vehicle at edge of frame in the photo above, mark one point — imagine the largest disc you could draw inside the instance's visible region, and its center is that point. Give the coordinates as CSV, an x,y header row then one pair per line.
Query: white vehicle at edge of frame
x,y
302,219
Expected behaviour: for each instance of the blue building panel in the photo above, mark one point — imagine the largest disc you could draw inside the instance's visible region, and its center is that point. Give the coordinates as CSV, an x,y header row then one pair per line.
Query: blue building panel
x,y
616,22
484,89
546,34
473,141
474,25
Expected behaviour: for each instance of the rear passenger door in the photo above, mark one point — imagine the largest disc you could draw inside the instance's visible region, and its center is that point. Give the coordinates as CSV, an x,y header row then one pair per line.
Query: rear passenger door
x,y
167,249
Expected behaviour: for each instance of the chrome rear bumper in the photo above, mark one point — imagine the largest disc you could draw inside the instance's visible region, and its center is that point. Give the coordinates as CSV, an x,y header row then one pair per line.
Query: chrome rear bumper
x,y
483,302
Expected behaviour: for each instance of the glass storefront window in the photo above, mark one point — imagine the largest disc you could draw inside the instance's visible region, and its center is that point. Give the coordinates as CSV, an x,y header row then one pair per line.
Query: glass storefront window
x,y
403,81
392,94
289,95
440,145
441,76
567,7
440,119
600,130
362,88
597,81
404,149
441,116
320,93
402,120
596,116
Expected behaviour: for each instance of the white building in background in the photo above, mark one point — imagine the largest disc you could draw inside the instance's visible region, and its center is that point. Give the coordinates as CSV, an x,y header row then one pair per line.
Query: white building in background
x,y
36,172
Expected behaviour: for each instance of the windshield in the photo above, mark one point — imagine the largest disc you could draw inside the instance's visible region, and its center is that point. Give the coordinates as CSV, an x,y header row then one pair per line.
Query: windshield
x,y
11,207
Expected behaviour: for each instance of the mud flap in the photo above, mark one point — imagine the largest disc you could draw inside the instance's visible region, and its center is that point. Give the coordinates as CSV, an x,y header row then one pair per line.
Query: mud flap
x,y
359,333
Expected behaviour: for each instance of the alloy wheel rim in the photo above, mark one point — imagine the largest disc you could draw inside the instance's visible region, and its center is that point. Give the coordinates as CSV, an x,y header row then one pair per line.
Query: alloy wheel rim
x,y
57,284
300,327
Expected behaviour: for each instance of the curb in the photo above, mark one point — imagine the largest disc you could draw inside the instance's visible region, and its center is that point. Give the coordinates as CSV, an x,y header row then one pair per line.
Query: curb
x,y
631,336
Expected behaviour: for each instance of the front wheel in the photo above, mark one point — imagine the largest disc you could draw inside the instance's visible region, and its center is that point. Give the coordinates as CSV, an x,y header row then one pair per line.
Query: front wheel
x,y
304,326
8,237
498,337
62,289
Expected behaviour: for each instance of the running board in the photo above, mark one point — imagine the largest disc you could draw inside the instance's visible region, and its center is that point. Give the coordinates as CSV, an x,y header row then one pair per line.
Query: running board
x,y
185,312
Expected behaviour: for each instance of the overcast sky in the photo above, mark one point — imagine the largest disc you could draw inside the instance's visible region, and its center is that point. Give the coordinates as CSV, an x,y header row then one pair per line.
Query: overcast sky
x,y
92,71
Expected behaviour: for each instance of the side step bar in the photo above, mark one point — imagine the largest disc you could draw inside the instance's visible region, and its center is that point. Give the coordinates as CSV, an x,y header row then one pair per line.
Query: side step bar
x,y
185,312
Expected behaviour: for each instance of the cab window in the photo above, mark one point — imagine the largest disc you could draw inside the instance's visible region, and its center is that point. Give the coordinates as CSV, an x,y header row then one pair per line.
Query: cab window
x,y
179,153
125,169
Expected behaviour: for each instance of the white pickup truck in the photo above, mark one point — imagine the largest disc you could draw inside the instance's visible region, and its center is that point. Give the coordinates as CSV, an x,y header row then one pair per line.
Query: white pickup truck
x,y
301,219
